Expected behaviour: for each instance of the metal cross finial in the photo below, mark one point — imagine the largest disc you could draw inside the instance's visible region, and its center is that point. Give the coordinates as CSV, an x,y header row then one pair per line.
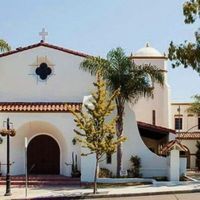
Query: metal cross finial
x,y
147,44
43,34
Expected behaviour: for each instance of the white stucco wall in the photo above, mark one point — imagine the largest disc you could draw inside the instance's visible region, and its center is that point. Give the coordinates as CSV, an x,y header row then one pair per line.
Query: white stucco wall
x,y
59,126
152,164
18,81
174,169
190,121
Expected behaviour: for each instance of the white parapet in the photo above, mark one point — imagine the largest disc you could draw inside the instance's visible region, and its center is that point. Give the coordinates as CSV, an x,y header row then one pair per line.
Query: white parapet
x,y
87,167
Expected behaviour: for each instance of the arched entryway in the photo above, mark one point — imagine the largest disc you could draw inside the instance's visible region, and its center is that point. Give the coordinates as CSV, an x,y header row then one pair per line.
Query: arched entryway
x,y
186,154
43,155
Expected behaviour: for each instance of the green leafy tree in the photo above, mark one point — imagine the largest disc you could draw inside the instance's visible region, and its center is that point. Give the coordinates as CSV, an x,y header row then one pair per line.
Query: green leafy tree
x,y
4,46
134,81
195,106
96,132
188,53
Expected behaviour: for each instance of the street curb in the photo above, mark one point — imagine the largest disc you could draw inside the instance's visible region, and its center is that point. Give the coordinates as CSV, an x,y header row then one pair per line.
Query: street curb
x,y
92,196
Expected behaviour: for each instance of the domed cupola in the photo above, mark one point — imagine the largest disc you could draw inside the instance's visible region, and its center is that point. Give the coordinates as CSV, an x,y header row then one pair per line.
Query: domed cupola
x,y
148,52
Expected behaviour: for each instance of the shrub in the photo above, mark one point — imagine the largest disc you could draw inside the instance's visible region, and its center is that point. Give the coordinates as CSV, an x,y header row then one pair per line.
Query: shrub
x,y
136,165
104,173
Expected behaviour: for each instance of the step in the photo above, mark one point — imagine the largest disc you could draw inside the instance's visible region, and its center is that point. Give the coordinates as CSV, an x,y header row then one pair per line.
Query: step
x,y
42,180
41,183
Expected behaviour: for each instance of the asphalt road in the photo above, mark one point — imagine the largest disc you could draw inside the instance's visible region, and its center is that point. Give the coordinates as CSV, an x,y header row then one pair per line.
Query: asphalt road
x,y
186,196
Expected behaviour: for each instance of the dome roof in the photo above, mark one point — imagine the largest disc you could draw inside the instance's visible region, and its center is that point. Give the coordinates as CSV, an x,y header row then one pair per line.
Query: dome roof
x,y
147,51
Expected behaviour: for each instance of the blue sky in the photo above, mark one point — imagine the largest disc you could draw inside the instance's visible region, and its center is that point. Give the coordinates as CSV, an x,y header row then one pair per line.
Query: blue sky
x,y
95,27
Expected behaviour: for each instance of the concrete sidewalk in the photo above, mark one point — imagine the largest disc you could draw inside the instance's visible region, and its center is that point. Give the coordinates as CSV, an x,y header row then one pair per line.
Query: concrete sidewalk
x,y
159,188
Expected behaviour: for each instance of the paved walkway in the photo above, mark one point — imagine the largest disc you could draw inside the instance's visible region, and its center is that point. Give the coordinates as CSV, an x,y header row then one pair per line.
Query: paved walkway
x,y
185,196
161,188
194,174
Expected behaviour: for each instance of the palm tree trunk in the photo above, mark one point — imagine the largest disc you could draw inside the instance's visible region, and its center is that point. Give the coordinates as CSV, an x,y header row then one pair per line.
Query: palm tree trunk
x,y
95,176
119,128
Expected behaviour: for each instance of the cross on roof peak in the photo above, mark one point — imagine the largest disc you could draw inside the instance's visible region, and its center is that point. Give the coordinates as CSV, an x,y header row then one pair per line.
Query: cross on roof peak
x,y
147,44
43,34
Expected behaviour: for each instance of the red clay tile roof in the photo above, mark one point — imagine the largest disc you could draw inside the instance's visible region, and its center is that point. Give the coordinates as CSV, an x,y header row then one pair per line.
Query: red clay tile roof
x,y
174,144
183,103
188,136
20,49
39,106
154,127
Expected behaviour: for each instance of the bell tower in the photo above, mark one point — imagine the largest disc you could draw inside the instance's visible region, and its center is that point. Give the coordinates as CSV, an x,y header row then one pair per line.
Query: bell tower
x,y
154,110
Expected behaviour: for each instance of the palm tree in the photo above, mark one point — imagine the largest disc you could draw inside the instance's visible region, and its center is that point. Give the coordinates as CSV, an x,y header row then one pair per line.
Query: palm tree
x,y
4,46
134,81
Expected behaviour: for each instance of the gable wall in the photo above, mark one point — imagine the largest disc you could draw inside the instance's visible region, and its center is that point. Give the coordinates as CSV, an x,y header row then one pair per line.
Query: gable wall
x,y
18,81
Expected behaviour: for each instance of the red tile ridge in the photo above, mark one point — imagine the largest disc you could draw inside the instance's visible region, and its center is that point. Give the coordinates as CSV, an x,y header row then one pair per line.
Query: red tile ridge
x,y
188,135
39,106
171,144
20,49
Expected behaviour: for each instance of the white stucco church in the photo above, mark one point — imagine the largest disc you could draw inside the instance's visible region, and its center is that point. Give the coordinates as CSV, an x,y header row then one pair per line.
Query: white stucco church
x,y
38,85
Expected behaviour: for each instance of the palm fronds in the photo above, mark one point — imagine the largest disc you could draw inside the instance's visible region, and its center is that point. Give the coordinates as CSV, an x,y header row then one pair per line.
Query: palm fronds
x,y
4,46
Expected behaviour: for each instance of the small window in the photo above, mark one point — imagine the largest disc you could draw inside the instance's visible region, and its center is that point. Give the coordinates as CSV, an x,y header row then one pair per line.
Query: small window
x,y
199,123
178,123
108,158
153,117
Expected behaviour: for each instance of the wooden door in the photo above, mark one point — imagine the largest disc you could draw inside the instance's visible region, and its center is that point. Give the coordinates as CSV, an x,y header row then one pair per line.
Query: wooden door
x,y
43,155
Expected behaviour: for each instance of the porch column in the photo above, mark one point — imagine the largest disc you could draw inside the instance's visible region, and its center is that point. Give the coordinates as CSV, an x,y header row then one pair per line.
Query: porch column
x,y
174,173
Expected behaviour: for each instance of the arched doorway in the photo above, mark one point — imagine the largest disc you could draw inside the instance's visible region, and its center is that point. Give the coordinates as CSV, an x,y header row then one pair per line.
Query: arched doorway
x,y
186,154
43,155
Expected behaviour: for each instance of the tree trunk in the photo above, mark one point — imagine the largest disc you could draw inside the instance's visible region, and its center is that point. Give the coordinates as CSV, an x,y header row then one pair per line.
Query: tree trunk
x,y
119,128
95,176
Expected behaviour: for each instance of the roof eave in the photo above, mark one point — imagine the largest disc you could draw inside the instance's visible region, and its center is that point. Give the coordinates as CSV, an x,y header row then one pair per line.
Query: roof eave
x,y
155,128
21,49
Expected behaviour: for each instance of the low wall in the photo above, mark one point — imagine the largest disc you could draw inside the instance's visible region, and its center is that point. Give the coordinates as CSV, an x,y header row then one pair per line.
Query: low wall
x,y
153,172
124,180
152,164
